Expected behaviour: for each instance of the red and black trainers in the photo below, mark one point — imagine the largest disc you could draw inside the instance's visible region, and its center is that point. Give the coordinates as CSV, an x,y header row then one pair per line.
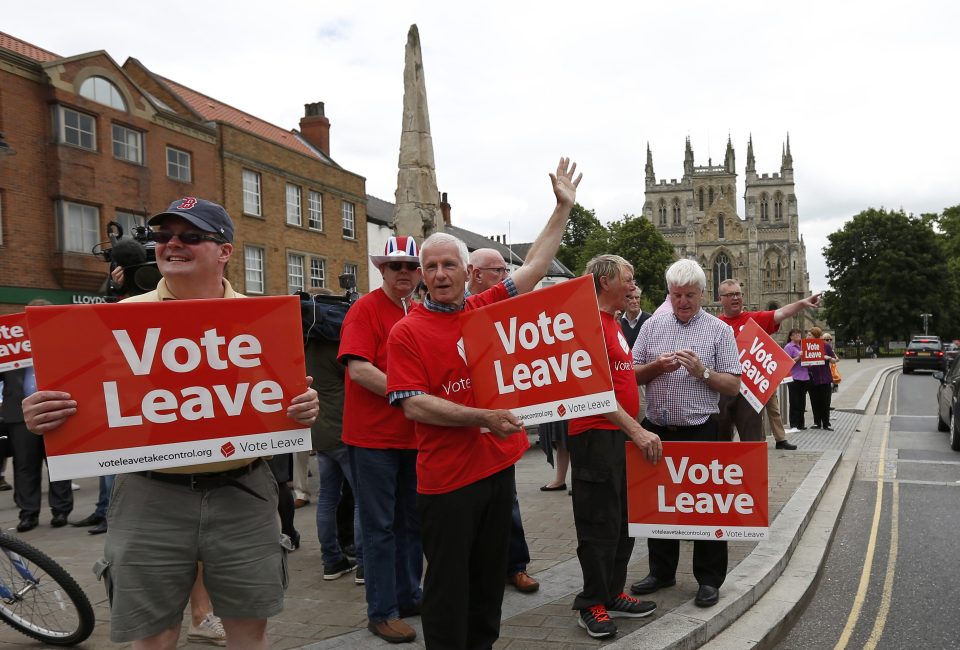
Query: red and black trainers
x,y
596,622
624,606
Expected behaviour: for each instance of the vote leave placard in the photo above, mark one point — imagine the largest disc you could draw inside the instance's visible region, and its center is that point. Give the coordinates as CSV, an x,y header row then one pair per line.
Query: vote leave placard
x,y
14,345
763,362
168,384
812,352
700,490
540,355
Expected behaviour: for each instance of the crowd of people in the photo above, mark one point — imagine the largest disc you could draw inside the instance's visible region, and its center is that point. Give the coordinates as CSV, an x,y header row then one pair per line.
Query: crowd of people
x,y
434,525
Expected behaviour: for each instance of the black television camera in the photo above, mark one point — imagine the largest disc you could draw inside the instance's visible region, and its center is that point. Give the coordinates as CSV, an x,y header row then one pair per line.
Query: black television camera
x,y
322,315
136,254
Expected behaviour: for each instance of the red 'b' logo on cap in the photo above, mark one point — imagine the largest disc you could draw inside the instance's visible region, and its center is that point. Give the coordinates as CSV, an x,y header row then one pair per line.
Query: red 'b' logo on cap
x,y
718,533
228,449
186,203
561,411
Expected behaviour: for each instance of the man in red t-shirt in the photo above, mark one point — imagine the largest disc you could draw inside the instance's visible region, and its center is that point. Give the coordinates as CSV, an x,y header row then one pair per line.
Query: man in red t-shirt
x,y
466,455
736,410
599,468
382,448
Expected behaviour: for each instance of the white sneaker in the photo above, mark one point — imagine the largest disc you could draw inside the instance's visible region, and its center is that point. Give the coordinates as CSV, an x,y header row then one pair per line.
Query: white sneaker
x,y
209,631
74,487
792,430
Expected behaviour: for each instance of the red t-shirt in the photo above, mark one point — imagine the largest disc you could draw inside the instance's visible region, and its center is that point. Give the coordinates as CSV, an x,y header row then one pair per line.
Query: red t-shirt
x,y
425,350
764,319
368,419
624,378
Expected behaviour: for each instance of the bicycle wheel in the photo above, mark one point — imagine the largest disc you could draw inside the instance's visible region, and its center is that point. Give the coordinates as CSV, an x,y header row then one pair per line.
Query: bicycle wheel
x,y
39,598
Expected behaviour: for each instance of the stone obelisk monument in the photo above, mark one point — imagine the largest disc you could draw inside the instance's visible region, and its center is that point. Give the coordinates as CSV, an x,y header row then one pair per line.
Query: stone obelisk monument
x,y
417,210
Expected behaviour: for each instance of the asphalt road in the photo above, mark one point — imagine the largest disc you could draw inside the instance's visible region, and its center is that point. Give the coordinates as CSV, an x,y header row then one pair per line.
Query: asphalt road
x,y
909,599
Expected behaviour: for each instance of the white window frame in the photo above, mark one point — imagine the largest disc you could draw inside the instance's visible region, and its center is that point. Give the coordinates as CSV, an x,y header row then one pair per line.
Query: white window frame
x,y
315,211
181,165
295,268
254,269
348,212
352,270
127,220
318,280
129,146
79,226
74,135
294,205
251,193
103,91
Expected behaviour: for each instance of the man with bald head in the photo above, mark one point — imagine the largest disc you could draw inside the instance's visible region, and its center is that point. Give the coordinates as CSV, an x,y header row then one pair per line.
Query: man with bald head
x,y
486,269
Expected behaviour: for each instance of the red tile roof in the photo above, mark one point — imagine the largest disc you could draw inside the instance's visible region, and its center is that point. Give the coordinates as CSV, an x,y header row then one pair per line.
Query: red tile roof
x,y
211,109
23,48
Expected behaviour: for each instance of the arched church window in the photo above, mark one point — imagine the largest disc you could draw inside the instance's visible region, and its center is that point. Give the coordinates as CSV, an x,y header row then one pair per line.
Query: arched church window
x,y
662,210
764,215
768,269
779,269
676,212
778,206
711,195
701,199
721,271
721,226
102,91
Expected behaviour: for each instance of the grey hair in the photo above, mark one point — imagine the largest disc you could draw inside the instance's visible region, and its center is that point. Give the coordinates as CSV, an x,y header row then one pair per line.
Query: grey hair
x,y
606,266
444,238
685,272
730,282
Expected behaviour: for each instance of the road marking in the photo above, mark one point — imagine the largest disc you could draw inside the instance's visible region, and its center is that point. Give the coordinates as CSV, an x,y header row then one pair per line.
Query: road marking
x,y
861,594
887,596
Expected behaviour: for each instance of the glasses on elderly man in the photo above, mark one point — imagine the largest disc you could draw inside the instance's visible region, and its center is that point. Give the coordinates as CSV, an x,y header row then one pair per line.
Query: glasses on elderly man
x,y
732,294
396,266
499,270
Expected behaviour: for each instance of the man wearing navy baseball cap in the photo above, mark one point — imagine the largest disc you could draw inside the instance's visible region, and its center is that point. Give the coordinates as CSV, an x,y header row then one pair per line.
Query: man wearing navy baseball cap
x,y
223,512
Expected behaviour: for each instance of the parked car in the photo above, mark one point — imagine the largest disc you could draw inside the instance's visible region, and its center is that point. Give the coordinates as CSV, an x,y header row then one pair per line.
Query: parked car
x,y
951,351
924,354
948,403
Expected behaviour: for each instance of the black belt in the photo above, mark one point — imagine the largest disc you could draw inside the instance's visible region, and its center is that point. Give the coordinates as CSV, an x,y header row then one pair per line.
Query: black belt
x,y
208,480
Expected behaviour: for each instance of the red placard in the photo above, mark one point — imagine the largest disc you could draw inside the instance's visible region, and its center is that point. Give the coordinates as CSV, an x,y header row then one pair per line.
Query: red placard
x,y
541,355
170,384
14,342
764,364
812,352
700,490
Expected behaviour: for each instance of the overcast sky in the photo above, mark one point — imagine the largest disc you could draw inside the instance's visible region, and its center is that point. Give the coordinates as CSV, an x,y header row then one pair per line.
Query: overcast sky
x,y
867,90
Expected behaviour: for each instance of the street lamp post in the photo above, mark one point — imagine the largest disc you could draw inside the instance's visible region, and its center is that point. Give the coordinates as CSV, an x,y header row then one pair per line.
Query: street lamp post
x,y
925,318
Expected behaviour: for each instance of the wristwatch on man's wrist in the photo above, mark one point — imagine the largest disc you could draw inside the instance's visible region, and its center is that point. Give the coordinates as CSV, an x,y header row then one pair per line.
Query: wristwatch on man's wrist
x,y
706,374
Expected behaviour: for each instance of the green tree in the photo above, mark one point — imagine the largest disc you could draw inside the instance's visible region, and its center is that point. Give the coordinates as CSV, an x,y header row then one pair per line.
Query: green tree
x,y
581,224
948,226
639,242
885,269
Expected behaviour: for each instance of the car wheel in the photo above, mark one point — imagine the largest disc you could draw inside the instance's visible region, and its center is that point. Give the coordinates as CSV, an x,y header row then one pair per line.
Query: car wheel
x,y
941,425
955,431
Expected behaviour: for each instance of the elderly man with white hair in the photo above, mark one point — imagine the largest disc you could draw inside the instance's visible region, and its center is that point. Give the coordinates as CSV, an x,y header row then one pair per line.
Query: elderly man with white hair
x,y
465,477
687,359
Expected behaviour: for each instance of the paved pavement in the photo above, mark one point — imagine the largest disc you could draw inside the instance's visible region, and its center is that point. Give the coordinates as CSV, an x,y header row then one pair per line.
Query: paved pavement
x,y
332,614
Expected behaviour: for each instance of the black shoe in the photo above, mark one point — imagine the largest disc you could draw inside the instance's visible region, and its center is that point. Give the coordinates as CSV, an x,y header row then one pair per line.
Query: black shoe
x,y
4,486
59,520
555,488
651,584
358,576
816,426
783,444
828,428
597,622
707,596
99,529
337,569
350,550
624,606
411,610
27,522
91,520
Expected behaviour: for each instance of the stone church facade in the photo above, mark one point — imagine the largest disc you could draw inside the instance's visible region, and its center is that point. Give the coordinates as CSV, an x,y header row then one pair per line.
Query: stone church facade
x,y
763,250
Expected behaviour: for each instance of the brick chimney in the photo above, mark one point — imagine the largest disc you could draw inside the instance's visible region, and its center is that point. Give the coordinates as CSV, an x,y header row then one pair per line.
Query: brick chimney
x,y
445,208
315,127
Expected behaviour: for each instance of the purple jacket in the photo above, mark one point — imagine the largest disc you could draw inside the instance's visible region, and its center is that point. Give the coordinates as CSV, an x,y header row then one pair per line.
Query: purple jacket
x,y
820,375
798,372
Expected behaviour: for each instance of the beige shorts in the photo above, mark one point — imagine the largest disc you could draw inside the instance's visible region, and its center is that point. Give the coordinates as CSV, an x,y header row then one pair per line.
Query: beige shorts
x,y
157,532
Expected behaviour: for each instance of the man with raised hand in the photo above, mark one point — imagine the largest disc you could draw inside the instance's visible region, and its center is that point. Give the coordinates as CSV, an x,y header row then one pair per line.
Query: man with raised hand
x,y
465,476
735,409
687,359
225,513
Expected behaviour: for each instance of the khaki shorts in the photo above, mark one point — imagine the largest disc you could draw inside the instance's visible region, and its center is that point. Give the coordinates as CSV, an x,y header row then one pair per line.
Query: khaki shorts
x,y
157,532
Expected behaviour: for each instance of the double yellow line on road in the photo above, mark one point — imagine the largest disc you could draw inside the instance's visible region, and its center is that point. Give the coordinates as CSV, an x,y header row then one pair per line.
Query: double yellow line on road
x,y
887,595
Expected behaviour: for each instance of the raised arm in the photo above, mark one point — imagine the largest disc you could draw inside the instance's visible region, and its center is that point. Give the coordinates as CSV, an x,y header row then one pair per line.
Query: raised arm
x,y
794,308
545,247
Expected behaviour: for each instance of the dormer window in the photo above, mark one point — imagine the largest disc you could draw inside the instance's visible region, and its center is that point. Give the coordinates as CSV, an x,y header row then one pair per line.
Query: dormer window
x,y
102,91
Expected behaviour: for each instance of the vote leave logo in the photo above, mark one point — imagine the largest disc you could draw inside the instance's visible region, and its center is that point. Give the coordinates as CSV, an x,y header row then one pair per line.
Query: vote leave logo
x,y
718,533
227,449
764,364
530,353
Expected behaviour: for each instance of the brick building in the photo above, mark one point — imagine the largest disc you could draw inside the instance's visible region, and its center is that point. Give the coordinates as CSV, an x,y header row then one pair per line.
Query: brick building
x,y
97,142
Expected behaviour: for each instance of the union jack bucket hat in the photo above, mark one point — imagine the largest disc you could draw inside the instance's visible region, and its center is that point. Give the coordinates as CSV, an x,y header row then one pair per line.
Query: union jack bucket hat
x,y
398,249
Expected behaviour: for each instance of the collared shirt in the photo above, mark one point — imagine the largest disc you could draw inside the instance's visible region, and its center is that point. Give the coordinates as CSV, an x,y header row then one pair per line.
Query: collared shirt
x,y
678,398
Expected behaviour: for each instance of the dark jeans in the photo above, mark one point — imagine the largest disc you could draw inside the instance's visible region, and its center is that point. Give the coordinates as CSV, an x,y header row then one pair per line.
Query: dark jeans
x,y
599,475
798,402
737,411
386,494
466,535
103,499
709,557
28,458
335,472
519,552
820,395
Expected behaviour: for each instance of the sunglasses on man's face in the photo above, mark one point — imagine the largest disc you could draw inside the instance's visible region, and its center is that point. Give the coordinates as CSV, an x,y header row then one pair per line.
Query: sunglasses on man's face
x,y
396,266
186,238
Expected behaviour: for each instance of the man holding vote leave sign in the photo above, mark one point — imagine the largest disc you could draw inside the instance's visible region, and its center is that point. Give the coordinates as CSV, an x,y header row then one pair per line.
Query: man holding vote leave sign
x,y
223,513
